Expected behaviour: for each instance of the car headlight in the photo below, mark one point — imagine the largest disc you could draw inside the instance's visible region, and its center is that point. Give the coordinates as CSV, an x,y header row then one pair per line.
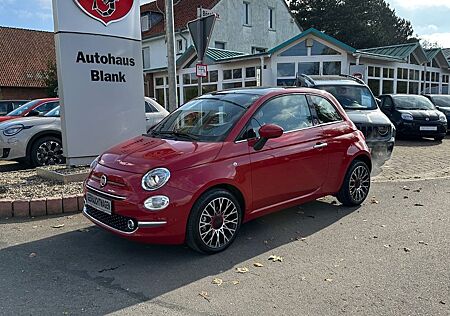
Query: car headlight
x,y
383,130
442,118
94,163
155,179
407,117
13,130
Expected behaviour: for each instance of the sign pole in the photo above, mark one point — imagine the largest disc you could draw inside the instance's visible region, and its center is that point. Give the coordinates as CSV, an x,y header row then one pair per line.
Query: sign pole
x,y
200,41
171,62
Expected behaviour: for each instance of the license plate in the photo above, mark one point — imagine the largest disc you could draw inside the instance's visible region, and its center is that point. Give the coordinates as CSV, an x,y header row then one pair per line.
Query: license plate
x,y
99,203
428,128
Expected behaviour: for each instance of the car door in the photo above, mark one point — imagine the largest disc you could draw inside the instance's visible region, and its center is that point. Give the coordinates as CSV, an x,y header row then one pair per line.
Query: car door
x,y
337,136
292,166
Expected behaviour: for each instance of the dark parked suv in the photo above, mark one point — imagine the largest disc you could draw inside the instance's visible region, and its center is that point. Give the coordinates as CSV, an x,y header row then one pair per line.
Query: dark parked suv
x,y
358,101
442,103
414,115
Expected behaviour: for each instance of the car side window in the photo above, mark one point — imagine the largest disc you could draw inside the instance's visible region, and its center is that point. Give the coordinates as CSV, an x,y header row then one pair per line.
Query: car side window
x,y
149,108
46,107
387,103
326,112
290,112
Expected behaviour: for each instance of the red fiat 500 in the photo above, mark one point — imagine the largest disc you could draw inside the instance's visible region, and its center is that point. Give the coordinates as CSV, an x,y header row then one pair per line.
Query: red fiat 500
x,y
224,159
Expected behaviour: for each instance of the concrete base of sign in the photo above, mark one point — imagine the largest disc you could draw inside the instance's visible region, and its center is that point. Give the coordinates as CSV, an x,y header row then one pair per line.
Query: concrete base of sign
x,y
81,161
63,174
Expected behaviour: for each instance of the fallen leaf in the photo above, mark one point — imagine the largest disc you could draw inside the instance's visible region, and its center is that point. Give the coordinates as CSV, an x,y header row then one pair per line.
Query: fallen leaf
x,y
58,226
406,249
32,255
418,190
329,280
383,226
406,197
423,243
217,281
83,230
301,238
242,270
357,285
374,200
442,302
258,265
276,258
204,295
418,204
387,246
69,217
34,226
406,188
236,282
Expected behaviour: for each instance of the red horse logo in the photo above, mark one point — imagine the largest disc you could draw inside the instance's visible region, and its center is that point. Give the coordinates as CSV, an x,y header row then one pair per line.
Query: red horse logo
x,y
106,11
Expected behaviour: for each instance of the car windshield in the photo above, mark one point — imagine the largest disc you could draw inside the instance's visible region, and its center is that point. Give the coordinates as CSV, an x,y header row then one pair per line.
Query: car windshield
x,y
412,102
206,119
20,110
53,113
442,100
352,97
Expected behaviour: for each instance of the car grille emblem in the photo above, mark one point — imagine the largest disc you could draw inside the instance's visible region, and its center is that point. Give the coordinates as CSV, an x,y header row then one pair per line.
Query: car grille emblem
x,y
427,119
103,181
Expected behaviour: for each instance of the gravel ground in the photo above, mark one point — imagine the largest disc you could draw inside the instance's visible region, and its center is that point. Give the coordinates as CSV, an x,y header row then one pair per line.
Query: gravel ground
x,y
25,184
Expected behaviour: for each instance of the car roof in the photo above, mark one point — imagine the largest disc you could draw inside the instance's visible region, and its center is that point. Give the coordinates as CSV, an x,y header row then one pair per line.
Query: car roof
x,y
334,80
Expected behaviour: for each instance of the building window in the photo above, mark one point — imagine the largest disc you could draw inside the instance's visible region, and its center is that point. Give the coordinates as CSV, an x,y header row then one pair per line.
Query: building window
x,y
250,72
145,23
299,49
321,49
331,68
258,50
246,13
286,69
146,57
309,68
219,45
179,46
271,19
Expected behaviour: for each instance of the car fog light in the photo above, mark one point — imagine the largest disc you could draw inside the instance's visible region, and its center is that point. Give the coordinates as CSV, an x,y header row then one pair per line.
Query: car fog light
x,y
156,203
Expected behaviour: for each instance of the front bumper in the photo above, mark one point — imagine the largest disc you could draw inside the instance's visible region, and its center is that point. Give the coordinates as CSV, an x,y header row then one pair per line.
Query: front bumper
x,y
12,148
413,129
130,219
381,151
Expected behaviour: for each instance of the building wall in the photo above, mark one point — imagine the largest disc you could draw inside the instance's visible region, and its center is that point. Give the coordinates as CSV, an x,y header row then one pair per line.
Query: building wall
x,y
231,30
8,93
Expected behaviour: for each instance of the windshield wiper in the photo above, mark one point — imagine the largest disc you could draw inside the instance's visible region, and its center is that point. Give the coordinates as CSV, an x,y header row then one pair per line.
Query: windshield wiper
x,y
175,133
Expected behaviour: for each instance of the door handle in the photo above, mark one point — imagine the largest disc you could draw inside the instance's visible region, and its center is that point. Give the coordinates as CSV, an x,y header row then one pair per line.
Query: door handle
x,y
320,145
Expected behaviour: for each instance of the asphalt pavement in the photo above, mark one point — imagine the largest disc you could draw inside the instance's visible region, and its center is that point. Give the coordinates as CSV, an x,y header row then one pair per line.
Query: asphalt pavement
x,y
388,257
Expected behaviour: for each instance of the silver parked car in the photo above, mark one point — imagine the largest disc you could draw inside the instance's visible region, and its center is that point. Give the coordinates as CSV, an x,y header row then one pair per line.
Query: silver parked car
x,y
37,140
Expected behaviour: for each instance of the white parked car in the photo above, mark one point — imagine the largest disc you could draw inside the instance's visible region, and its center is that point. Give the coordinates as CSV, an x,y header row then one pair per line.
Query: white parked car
x,y
36,141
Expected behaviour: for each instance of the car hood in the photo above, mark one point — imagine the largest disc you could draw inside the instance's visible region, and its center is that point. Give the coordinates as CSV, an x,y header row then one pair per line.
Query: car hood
x,y
375,117
142,154
29,121
422,114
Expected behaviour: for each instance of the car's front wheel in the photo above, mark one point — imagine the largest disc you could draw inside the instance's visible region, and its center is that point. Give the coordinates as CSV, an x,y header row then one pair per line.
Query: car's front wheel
x,y
214,222
47,151
356,185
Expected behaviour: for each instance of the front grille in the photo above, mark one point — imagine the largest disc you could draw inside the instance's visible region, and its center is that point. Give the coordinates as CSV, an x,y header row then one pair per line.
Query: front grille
x,y
115,221
430,119
372,132
5,153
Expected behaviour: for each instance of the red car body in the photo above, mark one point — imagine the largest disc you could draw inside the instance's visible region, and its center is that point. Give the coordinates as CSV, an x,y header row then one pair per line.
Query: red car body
x,y
36,105
289,170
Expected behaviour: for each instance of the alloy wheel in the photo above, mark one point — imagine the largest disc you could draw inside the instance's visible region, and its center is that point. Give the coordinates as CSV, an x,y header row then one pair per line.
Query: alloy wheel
x,y
49,153
218,223
359,183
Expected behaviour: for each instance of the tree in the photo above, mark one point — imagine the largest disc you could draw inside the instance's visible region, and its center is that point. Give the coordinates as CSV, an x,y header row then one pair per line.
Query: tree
x,y
51,80
360,24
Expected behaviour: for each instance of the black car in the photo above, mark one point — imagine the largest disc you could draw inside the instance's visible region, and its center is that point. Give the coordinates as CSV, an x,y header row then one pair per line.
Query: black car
x,y
414,115
7,106
358,101
442,103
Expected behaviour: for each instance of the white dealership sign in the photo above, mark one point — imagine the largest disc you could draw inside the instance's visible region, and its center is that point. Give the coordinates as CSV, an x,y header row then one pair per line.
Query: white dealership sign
x,y
99,59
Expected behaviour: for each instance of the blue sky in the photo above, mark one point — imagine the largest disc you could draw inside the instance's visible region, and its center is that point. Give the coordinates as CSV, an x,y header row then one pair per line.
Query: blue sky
x,y
430,18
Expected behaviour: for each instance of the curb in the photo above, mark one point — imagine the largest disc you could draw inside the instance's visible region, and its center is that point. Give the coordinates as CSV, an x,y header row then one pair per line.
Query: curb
x,y
40,207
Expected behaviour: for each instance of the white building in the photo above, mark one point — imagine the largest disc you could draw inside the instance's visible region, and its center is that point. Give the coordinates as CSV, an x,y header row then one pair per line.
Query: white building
x,y
245,26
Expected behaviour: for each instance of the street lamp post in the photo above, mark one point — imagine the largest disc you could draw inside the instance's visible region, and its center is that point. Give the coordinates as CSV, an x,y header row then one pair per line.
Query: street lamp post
x,y
171,62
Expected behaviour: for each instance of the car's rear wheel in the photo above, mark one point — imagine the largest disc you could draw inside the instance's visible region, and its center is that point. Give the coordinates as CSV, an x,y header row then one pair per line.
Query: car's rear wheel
x,y
47,151
356,186
214,222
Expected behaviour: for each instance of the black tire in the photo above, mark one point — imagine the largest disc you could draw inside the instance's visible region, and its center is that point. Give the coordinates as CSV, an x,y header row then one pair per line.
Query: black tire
x,y
197,238
439,138
356,186
46,151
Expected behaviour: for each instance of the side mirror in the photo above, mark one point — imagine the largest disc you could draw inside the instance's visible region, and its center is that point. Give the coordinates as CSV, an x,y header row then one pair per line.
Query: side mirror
x,y
267,132
33,113
378,101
